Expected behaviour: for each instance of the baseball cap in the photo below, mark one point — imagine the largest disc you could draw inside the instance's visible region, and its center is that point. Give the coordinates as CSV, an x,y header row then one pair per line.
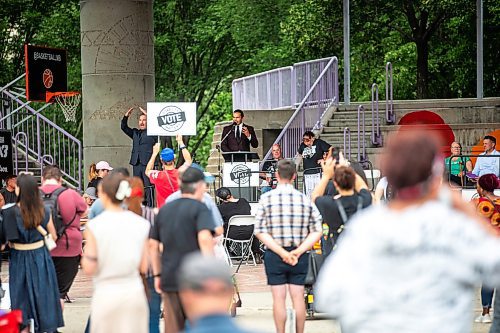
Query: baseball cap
x,y
103,165
196,270
209,178
91,192
167,155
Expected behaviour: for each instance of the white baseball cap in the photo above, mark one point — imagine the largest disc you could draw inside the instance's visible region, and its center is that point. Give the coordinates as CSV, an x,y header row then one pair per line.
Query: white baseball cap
x,y
103,165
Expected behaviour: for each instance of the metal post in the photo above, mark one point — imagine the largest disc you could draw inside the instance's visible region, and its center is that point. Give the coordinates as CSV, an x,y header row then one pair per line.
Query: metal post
x,y
479,41
347,53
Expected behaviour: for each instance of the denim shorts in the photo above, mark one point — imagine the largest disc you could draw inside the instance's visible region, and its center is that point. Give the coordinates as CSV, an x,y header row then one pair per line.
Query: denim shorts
x,y
278,272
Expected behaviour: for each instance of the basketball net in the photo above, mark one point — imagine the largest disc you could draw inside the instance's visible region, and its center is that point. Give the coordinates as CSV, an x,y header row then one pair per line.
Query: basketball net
x,y
67,101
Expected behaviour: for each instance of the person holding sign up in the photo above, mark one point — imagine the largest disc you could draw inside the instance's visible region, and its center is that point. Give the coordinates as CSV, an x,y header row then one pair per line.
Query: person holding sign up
x,y
142,148
238,136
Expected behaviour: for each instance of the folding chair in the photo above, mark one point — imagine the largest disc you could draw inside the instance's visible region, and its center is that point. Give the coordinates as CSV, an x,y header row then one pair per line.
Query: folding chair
x,y
242,249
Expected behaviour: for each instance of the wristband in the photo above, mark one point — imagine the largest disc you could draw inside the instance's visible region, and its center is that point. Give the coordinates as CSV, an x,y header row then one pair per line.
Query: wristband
x,y
182,147
157,275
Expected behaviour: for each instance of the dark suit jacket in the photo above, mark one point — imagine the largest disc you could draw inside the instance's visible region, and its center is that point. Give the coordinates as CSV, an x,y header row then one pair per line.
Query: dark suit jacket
x,y
142,144
231,144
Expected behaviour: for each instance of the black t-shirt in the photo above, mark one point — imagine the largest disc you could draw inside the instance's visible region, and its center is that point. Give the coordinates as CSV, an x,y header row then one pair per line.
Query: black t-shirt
x,y
229,209
311,155
270,167
329,208
9,197
176,227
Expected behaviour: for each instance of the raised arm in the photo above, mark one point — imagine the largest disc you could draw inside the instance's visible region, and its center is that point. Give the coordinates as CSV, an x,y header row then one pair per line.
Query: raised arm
x,y
124,124
151,163
328,167
185,152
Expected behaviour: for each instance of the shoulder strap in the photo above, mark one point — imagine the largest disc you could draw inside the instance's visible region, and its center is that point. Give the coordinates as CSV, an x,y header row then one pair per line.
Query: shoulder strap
x,y
342,212
170,182
360,203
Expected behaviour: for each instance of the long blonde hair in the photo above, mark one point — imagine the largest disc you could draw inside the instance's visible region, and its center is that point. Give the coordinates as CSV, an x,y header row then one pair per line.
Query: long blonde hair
x,y
93,172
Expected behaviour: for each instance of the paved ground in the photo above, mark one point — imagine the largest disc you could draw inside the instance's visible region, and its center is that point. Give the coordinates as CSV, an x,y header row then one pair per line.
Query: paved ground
x,y
255,313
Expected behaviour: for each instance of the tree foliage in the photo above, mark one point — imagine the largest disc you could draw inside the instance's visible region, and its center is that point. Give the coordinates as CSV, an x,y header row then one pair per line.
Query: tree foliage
x,y
201,46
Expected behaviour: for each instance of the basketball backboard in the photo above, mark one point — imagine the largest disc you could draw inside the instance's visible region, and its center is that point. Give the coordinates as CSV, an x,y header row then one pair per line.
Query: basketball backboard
x,y
46,71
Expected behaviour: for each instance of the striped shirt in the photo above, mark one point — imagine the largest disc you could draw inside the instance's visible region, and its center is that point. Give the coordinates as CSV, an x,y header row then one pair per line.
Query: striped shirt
x,y
287,215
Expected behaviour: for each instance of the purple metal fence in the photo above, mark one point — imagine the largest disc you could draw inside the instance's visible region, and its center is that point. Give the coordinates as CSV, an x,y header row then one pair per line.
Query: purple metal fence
x,y
376,136
347,151
284,87
45,141
361,137
323,92
390,117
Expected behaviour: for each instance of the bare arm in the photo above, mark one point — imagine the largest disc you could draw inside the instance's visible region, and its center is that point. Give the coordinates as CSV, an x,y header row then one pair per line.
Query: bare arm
x,y
89,260
205,242
143,267
468,166
298,160
151,163
359,184
271,244
328,170
185,152
51,229
154,255
308,243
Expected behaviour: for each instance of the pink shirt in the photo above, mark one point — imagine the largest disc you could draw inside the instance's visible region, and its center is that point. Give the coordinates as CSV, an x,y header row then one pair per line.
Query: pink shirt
x,y
70,203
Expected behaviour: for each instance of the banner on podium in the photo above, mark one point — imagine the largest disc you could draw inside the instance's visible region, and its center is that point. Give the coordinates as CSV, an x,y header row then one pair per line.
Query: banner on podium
x,y
240,174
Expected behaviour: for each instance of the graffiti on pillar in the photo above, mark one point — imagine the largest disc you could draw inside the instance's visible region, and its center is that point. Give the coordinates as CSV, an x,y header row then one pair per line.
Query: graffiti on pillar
x,y
126,46
115,111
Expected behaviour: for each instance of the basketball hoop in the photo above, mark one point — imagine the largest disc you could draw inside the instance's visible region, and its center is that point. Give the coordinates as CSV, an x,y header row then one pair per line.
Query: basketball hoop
x,y
68,101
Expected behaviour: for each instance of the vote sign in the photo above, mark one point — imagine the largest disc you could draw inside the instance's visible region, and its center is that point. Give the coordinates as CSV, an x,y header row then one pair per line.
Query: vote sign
x,y
170,119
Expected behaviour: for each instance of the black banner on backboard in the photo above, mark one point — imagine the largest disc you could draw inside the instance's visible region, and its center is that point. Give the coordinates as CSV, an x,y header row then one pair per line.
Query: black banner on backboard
x,y
46,70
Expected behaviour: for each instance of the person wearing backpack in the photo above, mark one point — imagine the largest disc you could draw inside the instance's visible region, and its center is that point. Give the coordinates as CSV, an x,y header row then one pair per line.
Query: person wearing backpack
x,y
353,195
66,206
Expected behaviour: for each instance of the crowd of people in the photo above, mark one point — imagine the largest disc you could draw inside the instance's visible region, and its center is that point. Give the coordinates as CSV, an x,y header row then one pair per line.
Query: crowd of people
x,y
397,264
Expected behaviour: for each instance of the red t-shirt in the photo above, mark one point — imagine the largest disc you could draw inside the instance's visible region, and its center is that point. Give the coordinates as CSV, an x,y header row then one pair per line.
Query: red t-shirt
x,y
166,182
69,203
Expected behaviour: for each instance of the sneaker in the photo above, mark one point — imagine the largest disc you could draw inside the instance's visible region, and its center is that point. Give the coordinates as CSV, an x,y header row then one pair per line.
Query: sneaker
x,y
483,319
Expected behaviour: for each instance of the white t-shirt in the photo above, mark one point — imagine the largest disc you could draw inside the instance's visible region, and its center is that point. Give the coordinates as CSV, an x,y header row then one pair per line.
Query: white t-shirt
x,y
409,271
382,184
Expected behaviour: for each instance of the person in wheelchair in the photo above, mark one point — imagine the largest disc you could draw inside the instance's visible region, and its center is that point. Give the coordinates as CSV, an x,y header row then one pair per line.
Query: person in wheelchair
x,y
229,207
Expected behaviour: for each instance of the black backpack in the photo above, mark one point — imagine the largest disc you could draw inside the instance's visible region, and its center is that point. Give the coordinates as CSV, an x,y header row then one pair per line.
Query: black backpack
x,y
50,202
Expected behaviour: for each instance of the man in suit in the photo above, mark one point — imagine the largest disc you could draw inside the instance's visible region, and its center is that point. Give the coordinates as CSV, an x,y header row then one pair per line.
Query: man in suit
x,y
238,136
142,148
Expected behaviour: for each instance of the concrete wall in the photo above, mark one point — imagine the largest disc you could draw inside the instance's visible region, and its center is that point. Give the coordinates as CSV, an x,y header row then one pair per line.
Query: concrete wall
x,y
117,73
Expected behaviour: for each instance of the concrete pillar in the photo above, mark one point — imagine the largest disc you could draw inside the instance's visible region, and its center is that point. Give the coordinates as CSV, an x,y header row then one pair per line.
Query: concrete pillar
x,y
117,73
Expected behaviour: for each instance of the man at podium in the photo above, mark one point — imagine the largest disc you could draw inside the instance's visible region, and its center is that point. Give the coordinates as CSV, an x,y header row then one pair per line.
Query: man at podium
x,y
238,137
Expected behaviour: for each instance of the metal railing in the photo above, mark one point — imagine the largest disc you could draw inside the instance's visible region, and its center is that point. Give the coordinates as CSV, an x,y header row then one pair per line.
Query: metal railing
x,y
376,136
284,87
45,142
362,156
347,150
390,117
323,92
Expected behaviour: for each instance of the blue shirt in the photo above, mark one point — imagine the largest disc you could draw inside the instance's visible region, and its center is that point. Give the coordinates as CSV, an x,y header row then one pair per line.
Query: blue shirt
x,y
487,165
217,323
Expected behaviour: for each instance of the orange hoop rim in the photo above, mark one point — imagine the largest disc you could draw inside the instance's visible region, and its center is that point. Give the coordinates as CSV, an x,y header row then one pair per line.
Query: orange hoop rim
x,y
51,96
